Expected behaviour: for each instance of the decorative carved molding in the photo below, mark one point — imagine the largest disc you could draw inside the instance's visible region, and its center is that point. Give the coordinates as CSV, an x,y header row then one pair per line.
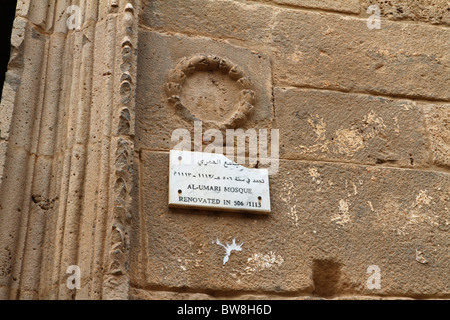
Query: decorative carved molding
x,y
116,281
66,199
178,76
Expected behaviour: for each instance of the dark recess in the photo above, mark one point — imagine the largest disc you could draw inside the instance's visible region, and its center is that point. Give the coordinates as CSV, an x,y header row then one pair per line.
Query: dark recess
x,y
7,14
327,278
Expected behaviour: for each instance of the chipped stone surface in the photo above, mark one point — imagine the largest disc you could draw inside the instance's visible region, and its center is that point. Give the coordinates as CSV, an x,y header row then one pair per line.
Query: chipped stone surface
x,y
342,53
432,11
438,122
327,125
278,255
3,149
259,262
140,294
223,19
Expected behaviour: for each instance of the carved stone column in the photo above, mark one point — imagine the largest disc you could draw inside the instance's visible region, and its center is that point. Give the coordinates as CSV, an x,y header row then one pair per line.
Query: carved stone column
x,y
67,133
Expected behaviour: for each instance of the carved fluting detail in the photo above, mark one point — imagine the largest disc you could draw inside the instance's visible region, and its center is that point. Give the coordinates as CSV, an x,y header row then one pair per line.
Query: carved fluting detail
x,y
119,245
73,106
186,67
113,5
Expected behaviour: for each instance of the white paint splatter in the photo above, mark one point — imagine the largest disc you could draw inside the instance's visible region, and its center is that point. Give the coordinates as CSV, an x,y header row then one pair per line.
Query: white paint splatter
x,y
229,248
420,258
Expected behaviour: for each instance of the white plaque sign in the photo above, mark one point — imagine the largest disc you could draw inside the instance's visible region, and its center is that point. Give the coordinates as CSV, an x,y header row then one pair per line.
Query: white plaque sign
x,y
213,182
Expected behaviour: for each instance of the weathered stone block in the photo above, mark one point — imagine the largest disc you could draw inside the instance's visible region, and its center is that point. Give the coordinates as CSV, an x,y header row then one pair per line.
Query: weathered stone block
x,y
220,19
208,95
433,11
331,51
438,123
327,125
322,50
182,249
329,221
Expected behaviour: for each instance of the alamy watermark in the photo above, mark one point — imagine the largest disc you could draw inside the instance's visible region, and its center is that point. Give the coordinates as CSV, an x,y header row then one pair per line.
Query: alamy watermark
x,y
374,280
257,141
75,19
74,280
374,21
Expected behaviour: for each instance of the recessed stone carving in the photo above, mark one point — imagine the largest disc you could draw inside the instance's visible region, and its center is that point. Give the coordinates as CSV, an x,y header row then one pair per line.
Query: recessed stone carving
x,y
211,89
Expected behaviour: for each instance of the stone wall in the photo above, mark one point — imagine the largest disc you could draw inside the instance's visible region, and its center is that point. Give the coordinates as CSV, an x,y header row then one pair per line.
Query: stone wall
x,y
364,149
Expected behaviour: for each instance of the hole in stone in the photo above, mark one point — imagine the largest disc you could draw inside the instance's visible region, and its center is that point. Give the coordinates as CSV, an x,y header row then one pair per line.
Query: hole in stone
x,y
260,198
326,278
180,192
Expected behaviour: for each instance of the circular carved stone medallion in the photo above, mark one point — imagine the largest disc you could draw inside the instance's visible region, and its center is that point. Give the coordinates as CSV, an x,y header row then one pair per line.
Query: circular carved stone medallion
x,y
211,89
